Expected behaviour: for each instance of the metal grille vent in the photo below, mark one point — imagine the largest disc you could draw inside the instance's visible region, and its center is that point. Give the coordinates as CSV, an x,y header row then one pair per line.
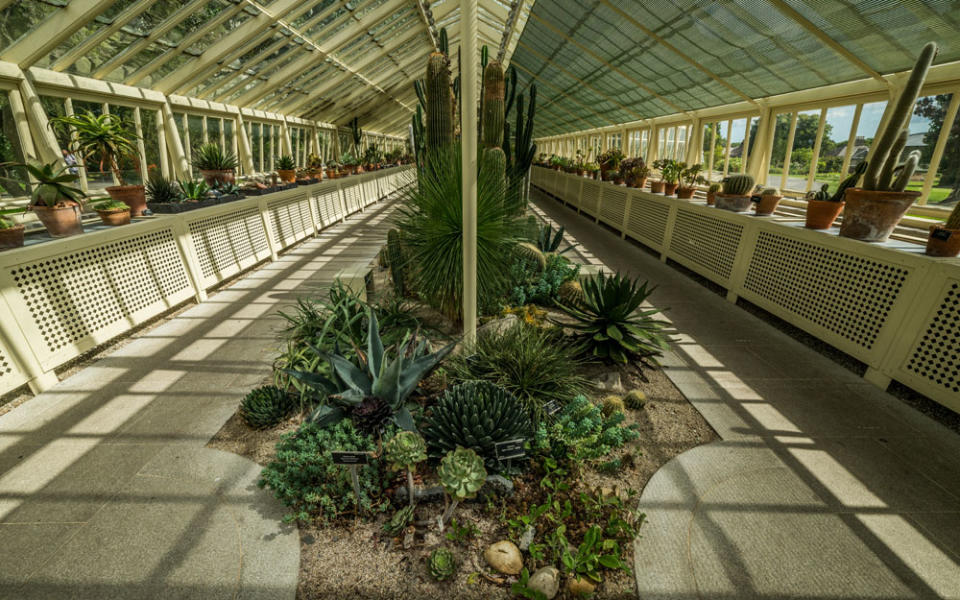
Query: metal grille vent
x,y
74,295
224,242
613,206
351,196
847,294
937,355
290,220
590,197
647,220
706,241
6,367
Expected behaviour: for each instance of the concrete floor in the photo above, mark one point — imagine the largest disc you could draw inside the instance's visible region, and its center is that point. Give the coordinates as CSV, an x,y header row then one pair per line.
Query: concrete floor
x,y
823,486
106,488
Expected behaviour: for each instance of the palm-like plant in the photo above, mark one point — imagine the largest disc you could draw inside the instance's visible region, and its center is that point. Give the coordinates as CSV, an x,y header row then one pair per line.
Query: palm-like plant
x,y
432,224
610,321
108,138
50,187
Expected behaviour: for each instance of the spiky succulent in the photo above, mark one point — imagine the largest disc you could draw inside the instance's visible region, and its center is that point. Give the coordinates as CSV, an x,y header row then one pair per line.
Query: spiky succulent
x,y
532,254
612,404
370,415
635,399
405,450
461,473
477,415
399,521
266,406
737,185
571,292
442,564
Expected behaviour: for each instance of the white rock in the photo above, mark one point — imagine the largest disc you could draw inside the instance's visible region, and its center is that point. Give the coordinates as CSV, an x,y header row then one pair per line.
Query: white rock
x,y
504,557
546,580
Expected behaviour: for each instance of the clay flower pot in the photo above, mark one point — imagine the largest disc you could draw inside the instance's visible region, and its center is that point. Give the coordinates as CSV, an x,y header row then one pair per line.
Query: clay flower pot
x,y
618,180
131,195
656,187
640,183
767,205
943,242
685,193
215,177
822,213
287,175
580,172
670,189
115,216
60,221
12,237
711,198
733,203
870,216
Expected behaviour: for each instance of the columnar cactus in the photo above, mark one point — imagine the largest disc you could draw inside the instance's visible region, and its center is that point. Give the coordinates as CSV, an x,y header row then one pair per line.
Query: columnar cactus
x,y
737,185
493,105
886,150
953,221
439,103
397,259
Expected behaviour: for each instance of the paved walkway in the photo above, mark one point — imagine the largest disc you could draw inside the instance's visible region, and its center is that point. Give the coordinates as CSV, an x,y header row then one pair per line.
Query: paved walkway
x,y
823,486
106,488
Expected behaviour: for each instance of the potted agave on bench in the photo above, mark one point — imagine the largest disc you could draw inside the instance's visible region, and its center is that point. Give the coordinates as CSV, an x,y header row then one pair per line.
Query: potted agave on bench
x,y
874,209
52,199
215,166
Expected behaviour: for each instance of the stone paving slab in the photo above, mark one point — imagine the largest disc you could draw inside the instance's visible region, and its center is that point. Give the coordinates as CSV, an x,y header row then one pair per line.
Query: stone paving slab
x,y
823,486
106,488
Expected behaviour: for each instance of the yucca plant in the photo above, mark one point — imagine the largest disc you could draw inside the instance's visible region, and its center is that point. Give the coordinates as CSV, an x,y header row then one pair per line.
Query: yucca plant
x,y
107,138
162,191
432,224
378,388
211,157
610,322
50,184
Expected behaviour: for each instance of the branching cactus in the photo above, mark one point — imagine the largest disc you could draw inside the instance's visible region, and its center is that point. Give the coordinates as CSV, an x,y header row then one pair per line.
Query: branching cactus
x,y
737,185
879,175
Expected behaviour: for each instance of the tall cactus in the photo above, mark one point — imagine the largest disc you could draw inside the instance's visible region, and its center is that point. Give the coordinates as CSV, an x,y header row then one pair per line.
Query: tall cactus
x,y
439,103
494,159
886,148
357,136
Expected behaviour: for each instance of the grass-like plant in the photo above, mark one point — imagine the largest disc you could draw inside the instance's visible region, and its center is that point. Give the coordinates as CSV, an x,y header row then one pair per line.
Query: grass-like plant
x,y
610,322
211,157
432,223
534,364
161,190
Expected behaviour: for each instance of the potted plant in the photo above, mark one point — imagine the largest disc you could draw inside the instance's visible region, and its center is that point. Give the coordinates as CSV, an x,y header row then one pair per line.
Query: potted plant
x,y
874,209
690,178
822,208
614,177
712,193
113,213
11,234
735,195
633,171
767,201
55,203
657,186
670,174
944,240
591,169
215,166
556,162
578,163
287,169
349,163
108,139
610,160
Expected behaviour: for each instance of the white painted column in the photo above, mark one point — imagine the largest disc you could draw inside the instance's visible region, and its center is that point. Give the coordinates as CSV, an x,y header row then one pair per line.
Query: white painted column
x,y
468,83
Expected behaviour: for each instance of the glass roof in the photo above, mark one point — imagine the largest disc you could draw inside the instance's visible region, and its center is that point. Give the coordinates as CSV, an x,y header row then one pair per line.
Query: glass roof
x,y
596,62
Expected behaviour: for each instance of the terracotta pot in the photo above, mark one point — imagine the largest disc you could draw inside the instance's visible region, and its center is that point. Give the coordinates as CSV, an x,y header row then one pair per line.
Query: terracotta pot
x,y
114,217
287,175
656,187
943,241
60,221
711,198
670,189
12,237
685,193
131,195
767,205
822,213
870,216
580,172
215,177
733,203
618,180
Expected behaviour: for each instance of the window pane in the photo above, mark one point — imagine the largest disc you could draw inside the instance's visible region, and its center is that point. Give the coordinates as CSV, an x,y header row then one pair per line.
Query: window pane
x,y
925,127
836,130
738,130
151,143
10,151
129,165
778,151
255,146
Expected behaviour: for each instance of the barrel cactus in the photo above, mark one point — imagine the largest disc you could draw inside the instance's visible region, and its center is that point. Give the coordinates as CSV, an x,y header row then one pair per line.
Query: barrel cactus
x,y
266,406
442,564
612,404
461,473
405,450
532,254
737,185
476,415
635,399
571,292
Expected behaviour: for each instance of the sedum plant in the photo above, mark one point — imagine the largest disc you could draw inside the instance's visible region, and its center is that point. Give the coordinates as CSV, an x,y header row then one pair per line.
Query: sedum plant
x,y
461,474
265,406
403,451
442,564
610,321
476,415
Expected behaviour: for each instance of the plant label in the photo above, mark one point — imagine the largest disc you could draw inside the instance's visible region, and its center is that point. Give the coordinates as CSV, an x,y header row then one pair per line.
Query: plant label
x,y
941,234
510,449
551,408
350,458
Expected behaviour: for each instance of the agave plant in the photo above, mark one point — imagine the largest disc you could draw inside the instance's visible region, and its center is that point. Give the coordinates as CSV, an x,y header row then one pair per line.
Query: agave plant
x,y
265,406
377,382
549,241
286,163
210,157
609,319
50,186
161,190
194,191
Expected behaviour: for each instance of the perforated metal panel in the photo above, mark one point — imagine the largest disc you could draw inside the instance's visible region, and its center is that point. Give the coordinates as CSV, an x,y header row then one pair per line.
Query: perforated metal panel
x,y
590,197
328,206
351,197
849,295
11,377
228,243
936,356
613,206
72,296
706,244
290,219
647,221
